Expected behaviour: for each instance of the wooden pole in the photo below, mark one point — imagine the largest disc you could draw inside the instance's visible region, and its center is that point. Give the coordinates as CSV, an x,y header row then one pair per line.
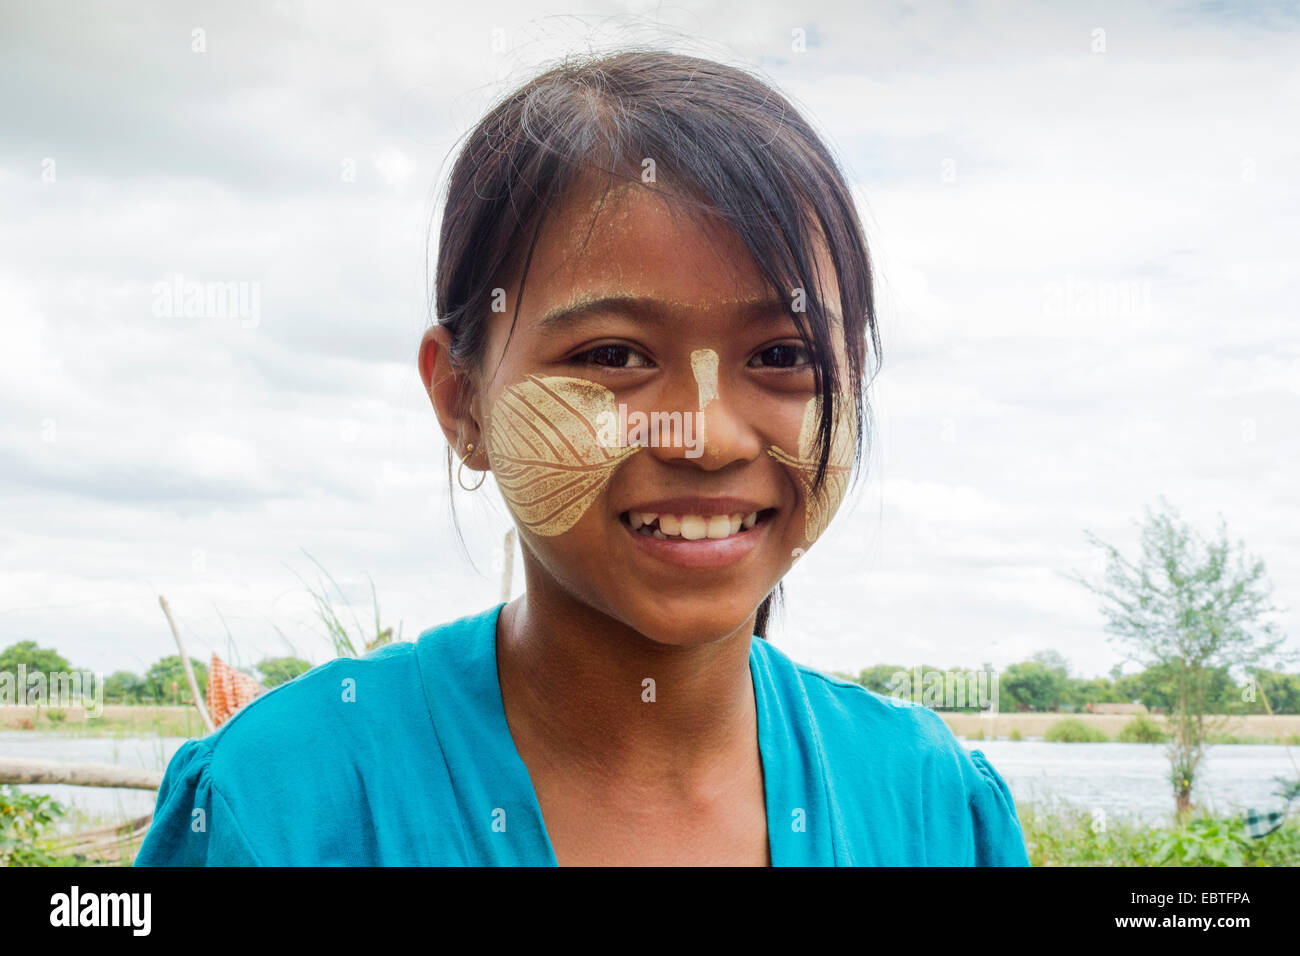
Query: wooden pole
x,y
508,571
13,770
185,666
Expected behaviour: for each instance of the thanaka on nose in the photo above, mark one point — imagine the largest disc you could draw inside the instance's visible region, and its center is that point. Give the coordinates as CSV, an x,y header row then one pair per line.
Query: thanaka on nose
x,y
720,432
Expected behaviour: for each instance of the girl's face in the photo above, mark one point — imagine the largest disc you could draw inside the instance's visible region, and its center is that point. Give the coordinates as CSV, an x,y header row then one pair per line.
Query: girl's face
x,y
649,421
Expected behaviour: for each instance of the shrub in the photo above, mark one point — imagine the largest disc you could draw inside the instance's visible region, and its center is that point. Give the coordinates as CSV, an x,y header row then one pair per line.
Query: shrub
x,y
23,819
1071,836
1072,730
1141,730
1016,734
1205,842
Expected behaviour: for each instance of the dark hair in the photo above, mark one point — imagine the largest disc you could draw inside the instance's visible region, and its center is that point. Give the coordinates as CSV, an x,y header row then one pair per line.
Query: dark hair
x,y
726,144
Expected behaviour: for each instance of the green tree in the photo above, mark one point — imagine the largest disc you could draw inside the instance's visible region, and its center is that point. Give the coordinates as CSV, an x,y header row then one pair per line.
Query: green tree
x,y
34,660
1187,606
1142,688
280,670
1098,690
1281,690
124,686
167,674
918,684
1052,660
880,678
1040,683
1156,688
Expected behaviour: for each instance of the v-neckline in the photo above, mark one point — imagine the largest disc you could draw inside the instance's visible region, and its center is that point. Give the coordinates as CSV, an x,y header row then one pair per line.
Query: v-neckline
x,y
525,783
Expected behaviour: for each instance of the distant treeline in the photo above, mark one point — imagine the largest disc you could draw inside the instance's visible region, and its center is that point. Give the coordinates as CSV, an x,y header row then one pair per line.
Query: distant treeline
x,y
1043,683
163,683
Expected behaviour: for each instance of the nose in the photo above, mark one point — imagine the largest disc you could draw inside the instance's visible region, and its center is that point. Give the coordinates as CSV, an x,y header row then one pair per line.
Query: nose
x,y
711,437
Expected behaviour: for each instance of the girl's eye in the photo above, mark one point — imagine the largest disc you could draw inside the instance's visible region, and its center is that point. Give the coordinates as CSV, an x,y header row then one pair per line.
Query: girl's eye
x,y
613,356
781,356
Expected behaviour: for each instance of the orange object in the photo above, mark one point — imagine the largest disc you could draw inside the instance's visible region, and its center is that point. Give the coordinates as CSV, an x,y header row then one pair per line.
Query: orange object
x,y
228,690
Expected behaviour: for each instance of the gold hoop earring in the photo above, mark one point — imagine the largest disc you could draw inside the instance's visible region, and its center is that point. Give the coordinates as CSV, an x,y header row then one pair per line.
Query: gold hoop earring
x,y
469,450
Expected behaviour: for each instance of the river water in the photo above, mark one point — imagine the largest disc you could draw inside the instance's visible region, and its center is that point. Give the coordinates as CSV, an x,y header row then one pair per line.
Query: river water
x,y
1132,780
1122,780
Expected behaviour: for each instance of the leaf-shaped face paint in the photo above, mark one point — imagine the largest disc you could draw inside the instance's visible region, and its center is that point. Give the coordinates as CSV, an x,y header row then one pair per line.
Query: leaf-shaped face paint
x,y
552,446
820,506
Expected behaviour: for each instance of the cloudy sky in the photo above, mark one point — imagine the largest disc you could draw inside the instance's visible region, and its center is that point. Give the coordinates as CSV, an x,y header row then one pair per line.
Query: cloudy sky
x,y
1084,225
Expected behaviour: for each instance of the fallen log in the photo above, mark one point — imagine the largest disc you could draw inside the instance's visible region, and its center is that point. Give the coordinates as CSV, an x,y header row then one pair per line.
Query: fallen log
x,y
13,770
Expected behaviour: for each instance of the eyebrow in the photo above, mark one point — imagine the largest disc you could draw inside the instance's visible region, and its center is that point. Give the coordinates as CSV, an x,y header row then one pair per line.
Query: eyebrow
x,y
649,309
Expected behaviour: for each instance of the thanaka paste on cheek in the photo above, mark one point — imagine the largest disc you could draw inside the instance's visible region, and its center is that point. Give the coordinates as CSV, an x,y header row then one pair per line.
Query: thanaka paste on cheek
x,y
549,449
704,365
820,506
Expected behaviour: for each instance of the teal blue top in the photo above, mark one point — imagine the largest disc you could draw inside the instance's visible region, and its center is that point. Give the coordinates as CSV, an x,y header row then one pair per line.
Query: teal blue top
x,y
404,757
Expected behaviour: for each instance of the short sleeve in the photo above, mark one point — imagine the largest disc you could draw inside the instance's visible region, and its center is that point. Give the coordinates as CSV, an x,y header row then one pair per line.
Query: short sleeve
x,y
999,840
192,824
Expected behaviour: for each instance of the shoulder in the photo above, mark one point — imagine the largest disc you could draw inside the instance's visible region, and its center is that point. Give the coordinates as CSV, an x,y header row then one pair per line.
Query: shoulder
x,y
345,703
848,714
350,703
288,778
345,710
897,764
352,711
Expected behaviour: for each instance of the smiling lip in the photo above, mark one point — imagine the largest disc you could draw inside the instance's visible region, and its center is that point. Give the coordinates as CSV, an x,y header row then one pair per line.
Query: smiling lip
x,y
704,553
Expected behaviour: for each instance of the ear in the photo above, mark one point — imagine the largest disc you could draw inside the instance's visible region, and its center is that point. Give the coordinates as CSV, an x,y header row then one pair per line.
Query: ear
x,y
451,390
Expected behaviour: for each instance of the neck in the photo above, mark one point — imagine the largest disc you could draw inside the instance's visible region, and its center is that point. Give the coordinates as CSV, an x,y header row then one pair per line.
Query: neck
x,y
574,684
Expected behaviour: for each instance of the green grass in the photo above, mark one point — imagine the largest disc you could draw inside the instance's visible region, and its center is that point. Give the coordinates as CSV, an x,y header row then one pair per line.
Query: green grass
x,y
143,720
1073,837
347,641
1289,740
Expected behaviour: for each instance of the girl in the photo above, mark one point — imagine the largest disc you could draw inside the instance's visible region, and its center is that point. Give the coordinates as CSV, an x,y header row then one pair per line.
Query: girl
x,y
654,305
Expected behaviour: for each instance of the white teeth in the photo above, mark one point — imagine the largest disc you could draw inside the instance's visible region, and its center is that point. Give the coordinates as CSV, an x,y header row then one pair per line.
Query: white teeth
x,y
719,526
690,527
694,527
